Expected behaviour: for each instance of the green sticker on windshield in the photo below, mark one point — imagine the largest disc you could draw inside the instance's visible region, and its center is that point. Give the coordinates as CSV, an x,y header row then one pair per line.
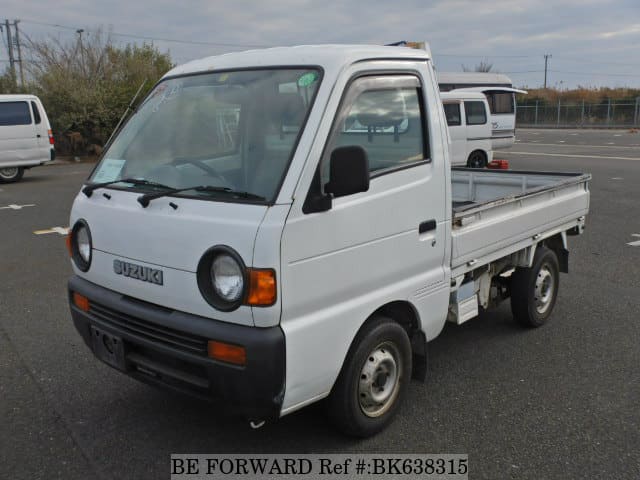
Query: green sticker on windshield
x,y
307,79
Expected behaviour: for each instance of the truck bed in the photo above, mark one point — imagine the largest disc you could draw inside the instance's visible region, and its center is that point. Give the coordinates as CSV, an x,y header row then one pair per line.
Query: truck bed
x,y
496,213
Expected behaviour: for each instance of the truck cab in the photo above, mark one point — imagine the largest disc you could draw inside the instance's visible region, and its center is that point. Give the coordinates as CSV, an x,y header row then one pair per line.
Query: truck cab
x,y
275,227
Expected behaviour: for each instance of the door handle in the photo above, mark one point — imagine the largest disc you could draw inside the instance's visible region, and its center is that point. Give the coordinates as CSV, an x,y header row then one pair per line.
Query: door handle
x,y
427,226
38,135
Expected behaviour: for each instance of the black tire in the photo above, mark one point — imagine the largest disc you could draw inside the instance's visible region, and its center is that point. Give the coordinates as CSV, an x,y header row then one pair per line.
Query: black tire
x,y
11,174
534,290
477,159
383,338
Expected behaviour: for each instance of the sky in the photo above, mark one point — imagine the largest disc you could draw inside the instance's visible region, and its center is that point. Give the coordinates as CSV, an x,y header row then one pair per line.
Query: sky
x,y
592,43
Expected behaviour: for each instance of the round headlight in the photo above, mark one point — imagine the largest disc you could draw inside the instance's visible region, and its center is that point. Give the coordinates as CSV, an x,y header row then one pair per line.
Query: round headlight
x,y
227,278
81,245
84,244
222,278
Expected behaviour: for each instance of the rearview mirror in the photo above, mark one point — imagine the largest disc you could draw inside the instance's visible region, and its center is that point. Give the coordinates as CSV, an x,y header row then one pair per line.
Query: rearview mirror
x,y
348,171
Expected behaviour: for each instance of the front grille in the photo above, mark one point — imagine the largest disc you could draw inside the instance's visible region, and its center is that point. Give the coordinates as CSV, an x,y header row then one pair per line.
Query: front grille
x,y
185,342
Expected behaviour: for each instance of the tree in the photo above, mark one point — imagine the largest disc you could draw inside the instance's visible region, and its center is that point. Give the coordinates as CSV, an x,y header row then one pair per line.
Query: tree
x,y
483,66
86,84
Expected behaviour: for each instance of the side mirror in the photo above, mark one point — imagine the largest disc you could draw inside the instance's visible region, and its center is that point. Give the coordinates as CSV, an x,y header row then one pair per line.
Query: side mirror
x,y
348,171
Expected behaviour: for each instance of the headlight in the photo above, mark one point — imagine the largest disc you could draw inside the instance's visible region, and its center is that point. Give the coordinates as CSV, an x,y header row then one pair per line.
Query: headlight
x,y
227,277
81,245
222,278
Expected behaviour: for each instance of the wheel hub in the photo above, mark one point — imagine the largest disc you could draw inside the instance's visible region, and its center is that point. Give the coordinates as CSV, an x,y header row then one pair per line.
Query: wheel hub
x,y
9,172
544,289
379,380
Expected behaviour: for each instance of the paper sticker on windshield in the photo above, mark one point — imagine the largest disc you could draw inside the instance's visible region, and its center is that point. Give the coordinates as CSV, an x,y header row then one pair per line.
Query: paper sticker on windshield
x,y
307,79
109,170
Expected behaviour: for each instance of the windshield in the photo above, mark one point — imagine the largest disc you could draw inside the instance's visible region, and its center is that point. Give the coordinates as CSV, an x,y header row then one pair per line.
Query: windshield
x,y
234,129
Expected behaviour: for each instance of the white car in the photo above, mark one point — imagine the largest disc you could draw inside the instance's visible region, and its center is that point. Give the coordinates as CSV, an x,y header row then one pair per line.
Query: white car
x,y
278,226
467,116
26,139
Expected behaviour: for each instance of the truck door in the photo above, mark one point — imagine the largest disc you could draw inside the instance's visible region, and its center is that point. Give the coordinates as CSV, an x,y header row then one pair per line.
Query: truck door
x,y
370,248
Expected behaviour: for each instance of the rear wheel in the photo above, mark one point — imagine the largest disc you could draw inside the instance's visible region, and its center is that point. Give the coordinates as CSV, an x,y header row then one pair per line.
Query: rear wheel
x,y
374,379
534,290
477,159
11,174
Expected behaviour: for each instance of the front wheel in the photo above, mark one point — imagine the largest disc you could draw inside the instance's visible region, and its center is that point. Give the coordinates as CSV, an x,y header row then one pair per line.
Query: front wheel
x,y
374,379
534,290
11,174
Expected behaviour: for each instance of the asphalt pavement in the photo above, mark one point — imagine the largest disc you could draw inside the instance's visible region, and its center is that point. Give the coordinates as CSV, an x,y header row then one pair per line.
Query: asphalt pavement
x,y
559,402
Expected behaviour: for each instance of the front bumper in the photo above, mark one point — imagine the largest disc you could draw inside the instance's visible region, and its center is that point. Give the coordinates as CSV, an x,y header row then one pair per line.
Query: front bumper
x,y
169,348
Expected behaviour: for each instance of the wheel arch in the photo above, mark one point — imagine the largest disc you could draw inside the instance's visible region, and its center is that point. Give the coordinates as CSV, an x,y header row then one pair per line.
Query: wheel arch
x,y
405,314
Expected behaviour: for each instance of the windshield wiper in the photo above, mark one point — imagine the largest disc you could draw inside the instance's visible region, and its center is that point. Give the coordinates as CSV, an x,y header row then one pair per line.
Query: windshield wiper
x,y
145,199
88,190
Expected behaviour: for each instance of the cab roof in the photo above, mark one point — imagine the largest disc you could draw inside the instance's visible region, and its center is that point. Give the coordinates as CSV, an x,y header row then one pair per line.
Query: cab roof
x,y
328,57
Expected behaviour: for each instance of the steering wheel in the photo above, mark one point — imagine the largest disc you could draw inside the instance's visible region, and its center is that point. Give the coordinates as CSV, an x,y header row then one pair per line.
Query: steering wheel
x,y
198,162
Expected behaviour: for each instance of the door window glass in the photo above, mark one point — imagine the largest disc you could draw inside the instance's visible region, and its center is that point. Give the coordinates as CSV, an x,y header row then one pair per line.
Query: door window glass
x,y
452,111
14,113
36,113
475,112
388,124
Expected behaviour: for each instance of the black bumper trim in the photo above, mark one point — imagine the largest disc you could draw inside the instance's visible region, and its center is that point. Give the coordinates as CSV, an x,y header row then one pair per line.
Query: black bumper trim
x,y
159,350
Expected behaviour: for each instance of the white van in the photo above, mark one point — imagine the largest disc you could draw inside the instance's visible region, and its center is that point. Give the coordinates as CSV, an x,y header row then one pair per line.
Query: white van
x,y
26,139
467,116
278,226
502,105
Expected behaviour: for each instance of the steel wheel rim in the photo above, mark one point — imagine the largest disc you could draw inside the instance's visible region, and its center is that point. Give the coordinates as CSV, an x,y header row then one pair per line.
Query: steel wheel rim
x,y
476,161
379,382
8,172
544,289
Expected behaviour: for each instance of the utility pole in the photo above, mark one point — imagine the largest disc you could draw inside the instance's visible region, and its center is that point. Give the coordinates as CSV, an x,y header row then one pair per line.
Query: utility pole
x,y
12,64
15,27
546,60
79,32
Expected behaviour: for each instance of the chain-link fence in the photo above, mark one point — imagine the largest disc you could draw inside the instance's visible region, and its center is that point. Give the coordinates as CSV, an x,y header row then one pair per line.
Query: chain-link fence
x,y
582,114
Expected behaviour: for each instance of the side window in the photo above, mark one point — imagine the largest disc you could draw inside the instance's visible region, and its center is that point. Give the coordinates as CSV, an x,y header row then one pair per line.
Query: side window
x,y
36,113
385,118
500,102
476,114
452,111
14,113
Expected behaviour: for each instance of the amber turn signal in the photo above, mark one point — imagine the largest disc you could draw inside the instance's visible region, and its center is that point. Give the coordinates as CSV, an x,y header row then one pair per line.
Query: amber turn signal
x,y
68,242
81,302
262,287
226,352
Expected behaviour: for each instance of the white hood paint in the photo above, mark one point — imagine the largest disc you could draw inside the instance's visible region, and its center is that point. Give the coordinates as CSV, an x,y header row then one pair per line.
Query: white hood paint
x,y
160,237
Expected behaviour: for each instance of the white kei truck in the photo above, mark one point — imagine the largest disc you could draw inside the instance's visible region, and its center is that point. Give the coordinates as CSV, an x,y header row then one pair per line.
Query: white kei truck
x,y
276,227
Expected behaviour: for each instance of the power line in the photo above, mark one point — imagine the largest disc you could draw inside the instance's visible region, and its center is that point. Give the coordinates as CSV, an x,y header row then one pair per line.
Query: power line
x,y
149,37
597,74
481,56
586,60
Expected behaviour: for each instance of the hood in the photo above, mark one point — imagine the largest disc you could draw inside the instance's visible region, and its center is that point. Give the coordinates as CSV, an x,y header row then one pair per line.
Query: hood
x,y
173,240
